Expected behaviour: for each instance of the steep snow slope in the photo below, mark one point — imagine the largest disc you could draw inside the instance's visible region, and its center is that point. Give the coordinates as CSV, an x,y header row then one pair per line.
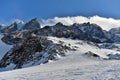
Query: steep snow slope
x,y
3,47
74,66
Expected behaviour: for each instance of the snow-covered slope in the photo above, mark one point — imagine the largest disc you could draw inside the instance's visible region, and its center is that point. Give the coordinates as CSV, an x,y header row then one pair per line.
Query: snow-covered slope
x,y
76,65
3,47
86,46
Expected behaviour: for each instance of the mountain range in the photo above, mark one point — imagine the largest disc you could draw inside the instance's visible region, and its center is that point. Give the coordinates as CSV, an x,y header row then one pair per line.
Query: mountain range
x,y
30,44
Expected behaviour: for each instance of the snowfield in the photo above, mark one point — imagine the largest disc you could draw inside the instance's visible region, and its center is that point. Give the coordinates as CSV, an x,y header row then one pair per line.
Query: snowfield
x,y
74,66
3,47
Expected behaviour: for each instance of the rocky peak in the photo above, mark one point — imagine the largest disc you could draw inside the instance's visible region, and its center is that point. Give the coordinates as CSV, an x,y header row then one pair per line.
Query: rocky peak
x,y
86,24
10,28
32,25
76,24
59,24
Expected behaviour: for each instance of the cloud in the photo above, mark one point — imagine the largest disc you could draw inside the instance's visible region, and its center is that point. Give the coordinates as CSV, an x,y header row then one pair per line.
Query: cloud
x,y
105,23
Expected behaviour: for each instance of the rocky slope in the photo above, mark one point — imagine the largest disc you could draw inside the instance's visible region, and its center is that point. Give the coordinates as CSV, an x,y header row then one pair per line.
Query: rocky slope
x,y
33,50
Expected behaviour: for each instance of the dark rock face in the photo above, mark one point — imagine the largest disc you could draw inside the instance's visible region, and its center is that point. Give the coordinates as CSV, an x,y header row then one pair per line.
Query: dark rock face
x,y
90,32
91,54
115,30
23,53
10,40
32,25
9,29
111,46
114,56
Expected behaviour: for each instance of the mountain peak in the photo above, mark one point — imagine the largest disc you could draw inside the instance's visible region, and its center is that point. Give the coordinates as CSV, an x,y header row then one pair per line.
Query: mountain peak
x,y
34,19
59,24
32,24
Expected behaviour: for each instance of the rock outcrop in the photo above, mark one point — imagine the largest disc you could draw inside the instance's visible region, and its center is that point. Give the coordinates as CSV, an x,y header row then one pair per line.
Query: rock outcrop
x,y
10,29
32,25
115,30
35,50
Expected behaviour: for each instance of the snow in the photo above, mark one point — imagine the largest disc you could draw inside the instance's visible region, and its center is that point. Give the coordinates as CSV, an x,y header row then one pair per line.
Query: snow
x,y
7,68
85,46
74,66
3,47
71,67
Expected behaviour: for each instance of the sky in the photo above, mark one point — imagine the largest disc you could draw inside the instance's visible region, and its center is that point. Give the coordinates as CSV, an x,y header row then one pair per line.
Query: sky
x,y
44,9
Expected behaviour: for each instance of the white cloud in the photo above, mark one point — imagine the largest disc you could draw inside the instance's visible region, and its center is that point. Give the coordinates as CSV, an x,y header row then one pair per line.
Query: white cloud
x,y
105,23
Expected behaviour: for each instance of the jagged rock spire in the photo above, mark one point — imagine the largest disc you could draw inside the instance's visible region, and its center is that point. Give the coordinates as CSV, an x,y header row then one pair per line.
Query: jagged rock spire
x,y
32,24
